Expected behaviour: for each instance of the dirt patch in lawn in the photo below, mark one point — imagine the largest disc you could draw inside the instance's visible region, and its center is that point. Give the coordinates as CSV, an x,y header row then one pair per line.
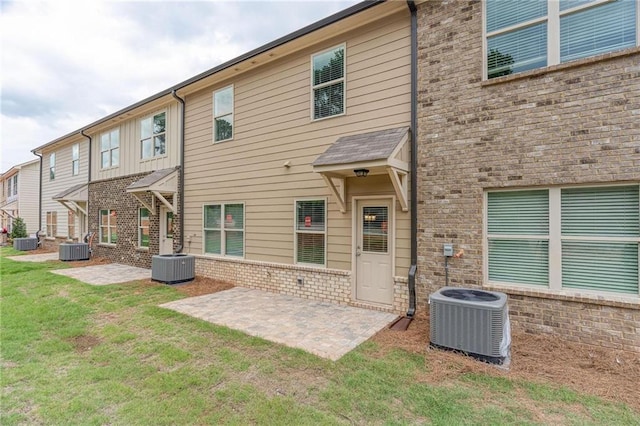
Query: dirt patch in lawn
x,y
84,343
606,373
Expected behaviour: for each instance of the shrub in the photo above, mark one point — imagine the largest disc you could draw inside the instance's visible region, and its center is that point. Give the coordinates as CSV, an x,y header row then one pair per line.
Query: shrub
x,y
19,228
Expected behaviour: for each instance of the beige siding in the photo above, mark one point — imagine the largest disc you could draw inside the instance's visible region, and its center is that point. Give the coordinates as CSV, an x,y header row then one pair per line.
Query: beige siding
x,y
272,124
28,192
130,156
63,180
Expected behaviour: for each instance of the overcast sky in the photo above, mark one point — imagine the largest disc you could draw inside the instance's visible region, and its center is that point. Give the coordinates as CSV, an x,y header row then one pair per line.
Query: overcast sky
x,y
66,63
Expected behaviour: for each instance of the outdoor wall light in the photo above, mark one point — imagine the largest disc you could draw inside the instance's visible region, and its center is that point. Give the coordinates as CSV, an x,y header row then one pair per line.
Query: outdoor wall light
x,y
361,172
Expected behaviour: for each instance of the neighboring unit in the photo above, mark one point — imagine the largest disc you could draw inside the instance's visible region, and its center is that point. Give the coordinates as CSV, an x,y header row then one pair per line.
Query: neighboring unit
x,y
20,190
529,160
63,206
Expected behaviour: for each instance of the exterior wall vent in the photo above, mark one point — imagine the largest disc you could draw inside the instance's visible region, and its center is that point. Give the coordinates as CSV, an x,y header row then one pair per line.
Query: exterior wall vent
x,y
173,268
24,244
73,251
475,322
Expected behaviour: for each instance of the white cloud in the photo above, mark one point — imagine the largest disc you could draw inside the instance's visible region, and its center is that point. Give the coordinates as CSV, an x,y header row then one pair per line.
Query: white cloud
x,y
68,63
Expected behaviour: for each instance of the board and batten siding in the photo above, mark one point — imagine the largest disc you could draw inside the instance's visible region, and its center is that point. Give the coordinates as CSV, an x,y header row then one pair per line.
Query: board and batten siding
x,y
130,148
272,125
64,180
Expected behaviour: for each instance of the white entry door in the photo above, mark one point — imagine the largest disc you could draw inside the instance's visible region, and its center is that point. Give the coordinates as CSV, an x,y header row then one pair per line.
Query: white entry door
x,y
166,231
374,251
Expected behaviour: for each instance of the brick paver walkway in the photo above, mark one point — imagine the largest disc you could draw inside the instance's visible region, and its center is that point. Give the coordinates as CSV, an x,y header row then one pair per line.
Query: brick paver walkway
x,y
321,328
111,273
43,257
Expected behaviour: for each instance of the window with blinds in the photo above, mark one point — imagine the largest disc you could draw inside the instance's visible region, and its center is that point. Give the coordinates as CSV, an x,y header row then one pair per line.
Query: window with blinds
x,y
310,230
593,236
518,237
224,229
524,35
328,70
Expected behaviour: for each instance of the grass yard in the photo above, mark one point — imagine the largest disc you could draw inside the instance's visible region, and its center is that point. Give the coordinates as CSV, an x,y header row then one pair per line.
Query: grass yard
x,y
72,353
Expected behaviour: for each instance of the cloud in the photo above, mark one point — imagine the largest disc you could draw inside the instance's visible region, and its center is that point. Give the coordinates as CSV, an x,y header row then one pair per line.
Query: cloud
x,y
68,63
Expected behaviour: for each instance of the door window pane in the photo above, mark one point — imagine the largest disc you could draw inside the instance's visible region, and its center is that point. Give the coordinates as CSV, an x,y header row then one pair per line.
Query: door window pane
x,y
375,224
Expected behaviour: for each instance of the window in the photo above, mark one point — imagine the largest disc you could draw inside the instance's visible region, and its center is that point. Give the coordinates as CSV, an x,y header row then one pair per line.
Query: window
x,y
143,227
9,187
223,114
52,224
152,136
310,232
328,70
224,229
71,223
110,149
75,159
52,166
15,185
524,35
108,227
566,238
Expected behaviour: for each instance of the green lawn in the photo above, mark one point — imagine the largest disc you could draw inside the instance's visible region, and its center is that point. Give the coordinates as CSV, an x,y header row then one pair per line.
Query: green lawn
x,y
78,354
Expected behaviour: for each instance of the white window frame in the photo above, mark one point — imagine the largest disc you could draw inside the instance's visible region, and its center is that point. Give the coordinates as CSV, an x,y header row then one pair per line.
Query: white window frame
x,y
223,248
75,159
109,227
342,46
232,113
555,239
71,224
15,185
141,227
52,224
52,166
553,29
110,149
296,231
153,136
9,187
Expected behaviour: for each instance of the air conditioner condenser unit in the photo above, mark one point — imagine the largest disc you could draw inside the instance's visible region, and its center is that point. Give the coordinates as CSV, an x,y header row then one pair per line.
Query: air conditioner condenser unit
x,y
475,322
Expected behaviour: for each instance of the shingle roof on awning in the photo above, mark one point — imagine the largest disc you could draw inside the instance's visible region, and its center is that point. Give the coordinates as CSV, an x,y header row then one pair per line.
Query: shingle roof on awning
x,y
75,193
161,184
151,179
371,146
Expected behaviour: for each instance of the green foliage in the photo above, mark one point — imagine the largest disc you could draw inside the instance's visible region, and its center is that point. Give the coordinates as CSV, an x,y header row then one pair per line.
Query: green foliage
x,y
499,64
19,228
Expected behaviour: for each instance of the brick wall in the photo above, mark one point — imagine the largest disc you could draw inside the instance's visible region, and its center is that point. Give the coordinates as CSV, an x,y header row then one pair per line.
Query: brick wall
x,y
567,124
111,194
329,285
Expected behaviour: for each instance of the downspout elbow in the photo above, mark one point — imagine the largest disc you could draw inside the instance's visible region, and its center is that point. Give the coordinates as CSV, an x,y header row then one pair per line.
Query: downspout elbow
x,y
181,173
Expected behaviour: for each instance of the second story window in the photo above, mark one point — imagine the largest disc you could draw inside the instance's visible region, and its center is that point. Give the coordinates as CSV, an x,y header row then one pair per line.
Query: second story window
x,y
328,70
525,35
75,159
223,114
152,136
52,166
9,187
15,185
110,149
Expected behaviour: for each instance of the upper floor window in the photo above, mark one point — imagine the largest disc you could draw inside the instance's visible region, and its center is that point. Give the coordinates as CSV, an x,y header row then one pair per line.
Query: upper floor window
x,y
9,187
52,166
223,114
524,35
110,149
15,184
328,71
152,136
75,159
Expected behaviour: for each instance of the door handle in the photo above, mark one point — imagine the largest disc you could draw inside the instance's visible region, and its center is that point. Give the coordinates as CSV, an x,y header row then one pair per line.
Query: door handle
x,y
358,252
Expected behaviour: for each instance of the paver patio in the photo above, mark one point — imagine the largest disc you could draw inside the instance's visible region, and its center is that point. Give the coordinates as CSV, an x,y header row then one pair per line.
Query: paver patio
x,y
111,273
321,328
43,257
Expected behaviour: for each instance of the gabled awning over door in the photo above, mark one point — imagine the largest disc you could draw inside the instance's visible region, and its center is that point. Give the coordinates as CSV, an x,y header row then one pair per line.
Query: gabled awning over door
x,y
161,184
72,197
380,152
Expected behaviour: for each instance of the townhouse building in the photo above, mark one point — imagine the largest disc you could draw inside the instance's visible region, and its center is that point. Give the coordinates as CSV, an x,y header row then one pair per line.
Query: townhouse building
x,y
19,190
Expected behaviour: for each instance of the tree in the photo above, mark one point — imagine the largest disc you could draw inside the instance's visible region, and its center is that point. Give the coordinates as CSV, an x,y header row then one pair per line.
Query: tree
x,y
329,100
19,228
499,64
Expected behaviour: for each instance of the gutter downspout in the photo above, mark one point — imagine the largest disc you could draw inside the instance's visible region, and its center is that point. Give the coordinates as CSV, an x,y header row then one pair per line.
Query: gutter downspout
x,y
88,181
414,159
181,174
39,199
